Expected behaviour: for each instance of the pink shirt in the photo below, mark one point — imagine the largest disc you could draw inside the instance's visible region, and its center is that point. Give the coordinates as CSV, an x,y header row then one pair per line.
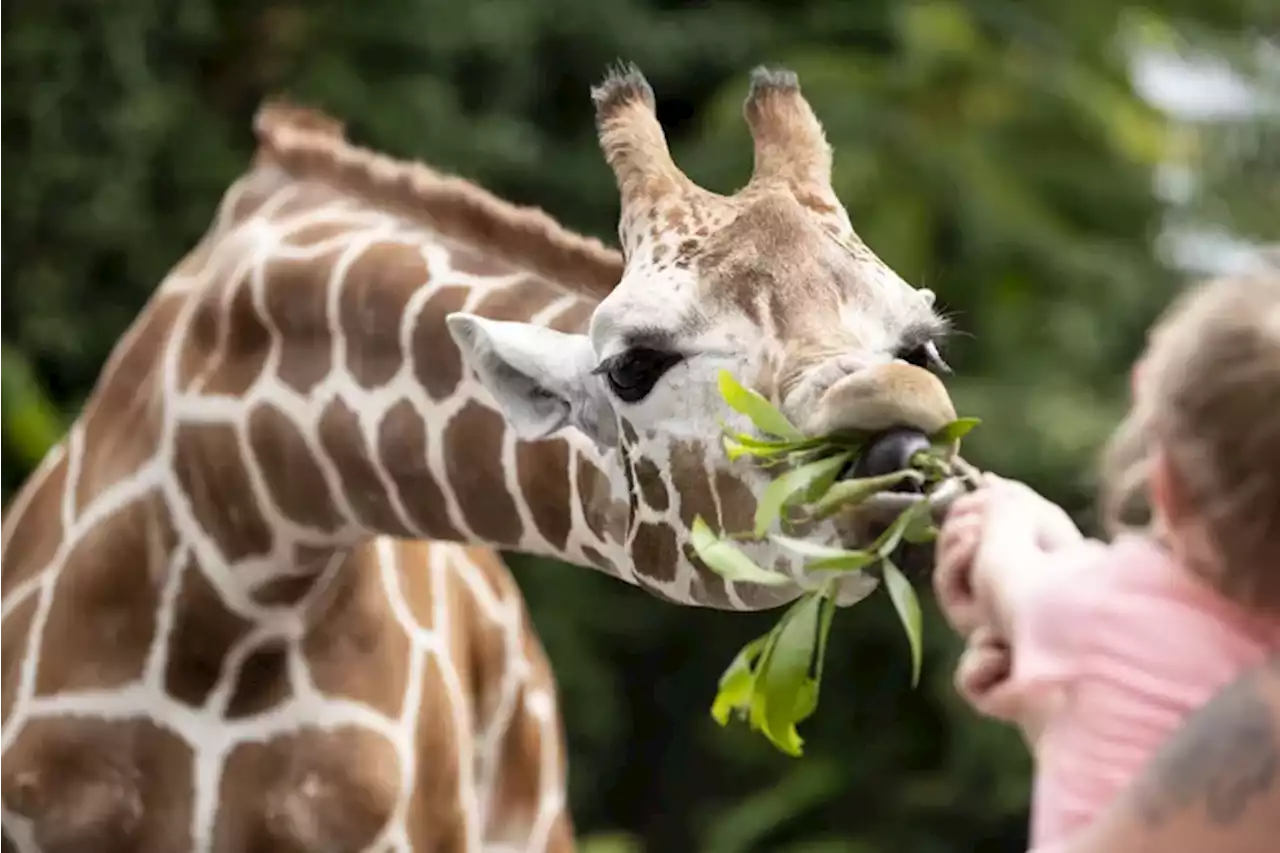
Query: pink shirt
x,y
1119,645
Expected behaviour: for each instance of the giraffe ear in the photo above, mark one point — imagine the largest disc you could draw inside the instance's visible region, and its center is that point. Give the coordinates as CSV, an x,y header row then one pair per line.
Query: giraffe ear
x,y
539,377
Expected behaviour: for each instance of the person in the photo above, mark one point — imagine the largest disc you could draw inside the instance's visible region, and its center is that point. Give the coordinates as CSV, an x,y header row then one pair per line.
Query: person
x,y
1214,785
1098,652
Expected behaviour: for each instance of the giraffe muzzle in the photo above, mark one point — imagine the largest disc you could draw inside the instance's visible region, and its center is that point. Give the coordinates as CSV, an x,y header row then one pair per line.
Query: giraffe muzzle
x,y
890,451
899,405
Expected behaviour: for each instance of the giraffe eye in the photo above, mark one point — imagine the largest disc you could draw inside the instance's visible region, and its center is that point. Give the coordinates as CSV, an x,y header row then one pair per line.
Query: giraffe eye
x,y
632,374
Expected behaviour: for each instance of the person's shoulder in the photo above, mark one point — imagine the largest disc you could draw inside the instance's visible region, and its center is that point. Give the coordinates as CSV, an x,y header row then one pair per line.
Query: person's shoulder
x,y
1146,612
1091,571
1143,567
1137,564
1124,595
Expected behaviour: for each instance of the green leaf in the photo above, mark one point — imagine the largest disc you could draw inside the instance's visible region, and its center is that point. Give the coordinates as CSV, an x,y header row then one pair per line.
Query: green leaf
x,y
810,550
757,408
725,559
825,557
802,482
828,613
921,533
785,682
756,710
764,446
851,492
920,529
735,449
887,542
849,561
737,682
739,444
931,465
955,430
908,606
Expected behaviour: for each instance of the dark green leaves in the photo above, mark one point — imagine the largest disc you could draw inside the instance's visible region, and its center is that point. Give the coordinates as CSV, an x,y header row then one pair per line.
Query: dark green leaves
x,y
908,607
773,682
808,481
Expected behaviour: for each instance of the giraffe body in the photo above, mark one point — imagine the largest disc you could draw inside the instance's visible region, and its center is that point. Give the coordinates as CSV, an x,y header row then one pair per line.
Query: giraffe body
x,y
253,602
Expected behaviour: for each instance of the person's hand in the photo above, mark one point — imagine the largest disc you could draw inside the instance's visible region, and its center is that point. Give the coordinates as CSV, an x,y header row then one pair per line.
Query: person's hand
x,y
953,571
983,668
983,679
988,532
1049,525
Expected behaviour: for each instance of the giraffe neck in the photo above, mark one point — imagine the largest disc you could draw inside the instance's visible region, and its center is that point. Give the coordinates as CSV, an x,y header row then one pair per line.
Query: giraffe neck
x,y
316,398
313,379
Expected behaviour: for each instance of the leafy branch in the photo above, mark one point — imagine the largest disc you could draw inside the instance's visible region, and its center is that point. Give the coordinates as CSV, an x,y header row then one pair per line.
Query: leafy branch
x,y
773,682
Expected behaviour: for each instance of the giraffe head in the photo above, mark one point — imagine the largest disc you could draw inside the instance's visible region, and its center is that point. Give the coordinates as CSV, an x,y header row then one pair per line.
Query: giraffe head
x,y
771,284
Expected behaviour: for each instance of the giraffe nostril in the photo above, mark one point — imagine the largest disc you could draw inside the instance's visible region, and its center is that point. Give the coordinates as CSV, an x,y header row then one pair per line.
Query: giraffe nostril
x,y
888,452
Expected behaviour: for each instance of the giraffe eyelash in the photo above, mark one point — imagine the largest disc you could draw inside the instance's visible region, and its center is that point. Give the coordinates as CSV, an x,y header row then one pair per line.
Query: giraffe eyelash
x,y
632,373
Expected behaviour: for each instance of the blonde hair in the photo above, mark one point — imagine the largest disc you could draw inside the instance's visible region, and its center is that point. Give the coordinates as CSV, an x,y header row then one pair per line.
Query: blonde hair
x,y
1210,401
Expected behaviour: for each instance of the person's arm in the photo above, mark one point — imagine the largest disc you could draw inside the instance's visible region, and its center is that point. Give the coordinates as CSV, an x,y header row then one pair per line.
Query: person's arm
x,y
1213,787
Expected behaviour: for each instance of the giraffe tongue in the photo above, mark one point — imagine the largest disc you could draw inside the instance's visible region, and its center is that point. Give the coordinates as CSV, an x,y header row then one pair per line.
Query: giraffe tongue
x,y
889,452
917,560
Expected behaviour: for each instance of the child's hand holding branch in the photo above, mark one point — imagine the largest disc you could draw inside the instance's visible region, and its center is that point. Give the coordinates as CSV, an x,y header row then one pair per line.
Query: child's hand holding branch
x,y
984,546
991,558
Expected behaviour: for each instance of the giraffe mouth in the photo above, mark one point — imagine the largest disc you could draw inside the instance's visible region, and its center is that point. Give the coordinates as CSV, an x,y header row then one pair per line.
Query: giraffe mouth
x,y
891,450
862,524
886,506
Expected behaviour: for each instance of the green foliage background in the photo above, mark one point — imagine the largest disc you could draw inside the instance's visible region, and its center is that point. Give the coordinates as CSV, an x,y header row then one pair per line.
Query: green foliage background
x,y
993,150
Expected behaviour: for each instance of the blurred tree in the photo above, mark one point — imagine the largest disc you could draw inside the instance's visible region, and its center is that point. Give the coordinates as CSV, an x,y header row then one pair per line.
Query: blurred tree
x,y
32,423
993,150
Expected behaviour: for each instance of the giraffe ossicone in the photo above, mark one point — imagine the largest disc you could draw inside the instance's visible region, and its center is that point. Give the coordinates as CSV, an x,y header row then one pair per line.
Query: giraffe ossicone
x,y
253,599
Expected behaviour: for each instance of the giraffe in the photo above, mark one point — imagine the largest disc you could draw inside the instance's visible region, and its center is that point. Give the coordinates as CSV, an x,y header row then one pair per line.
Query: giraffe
x,y
252,600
